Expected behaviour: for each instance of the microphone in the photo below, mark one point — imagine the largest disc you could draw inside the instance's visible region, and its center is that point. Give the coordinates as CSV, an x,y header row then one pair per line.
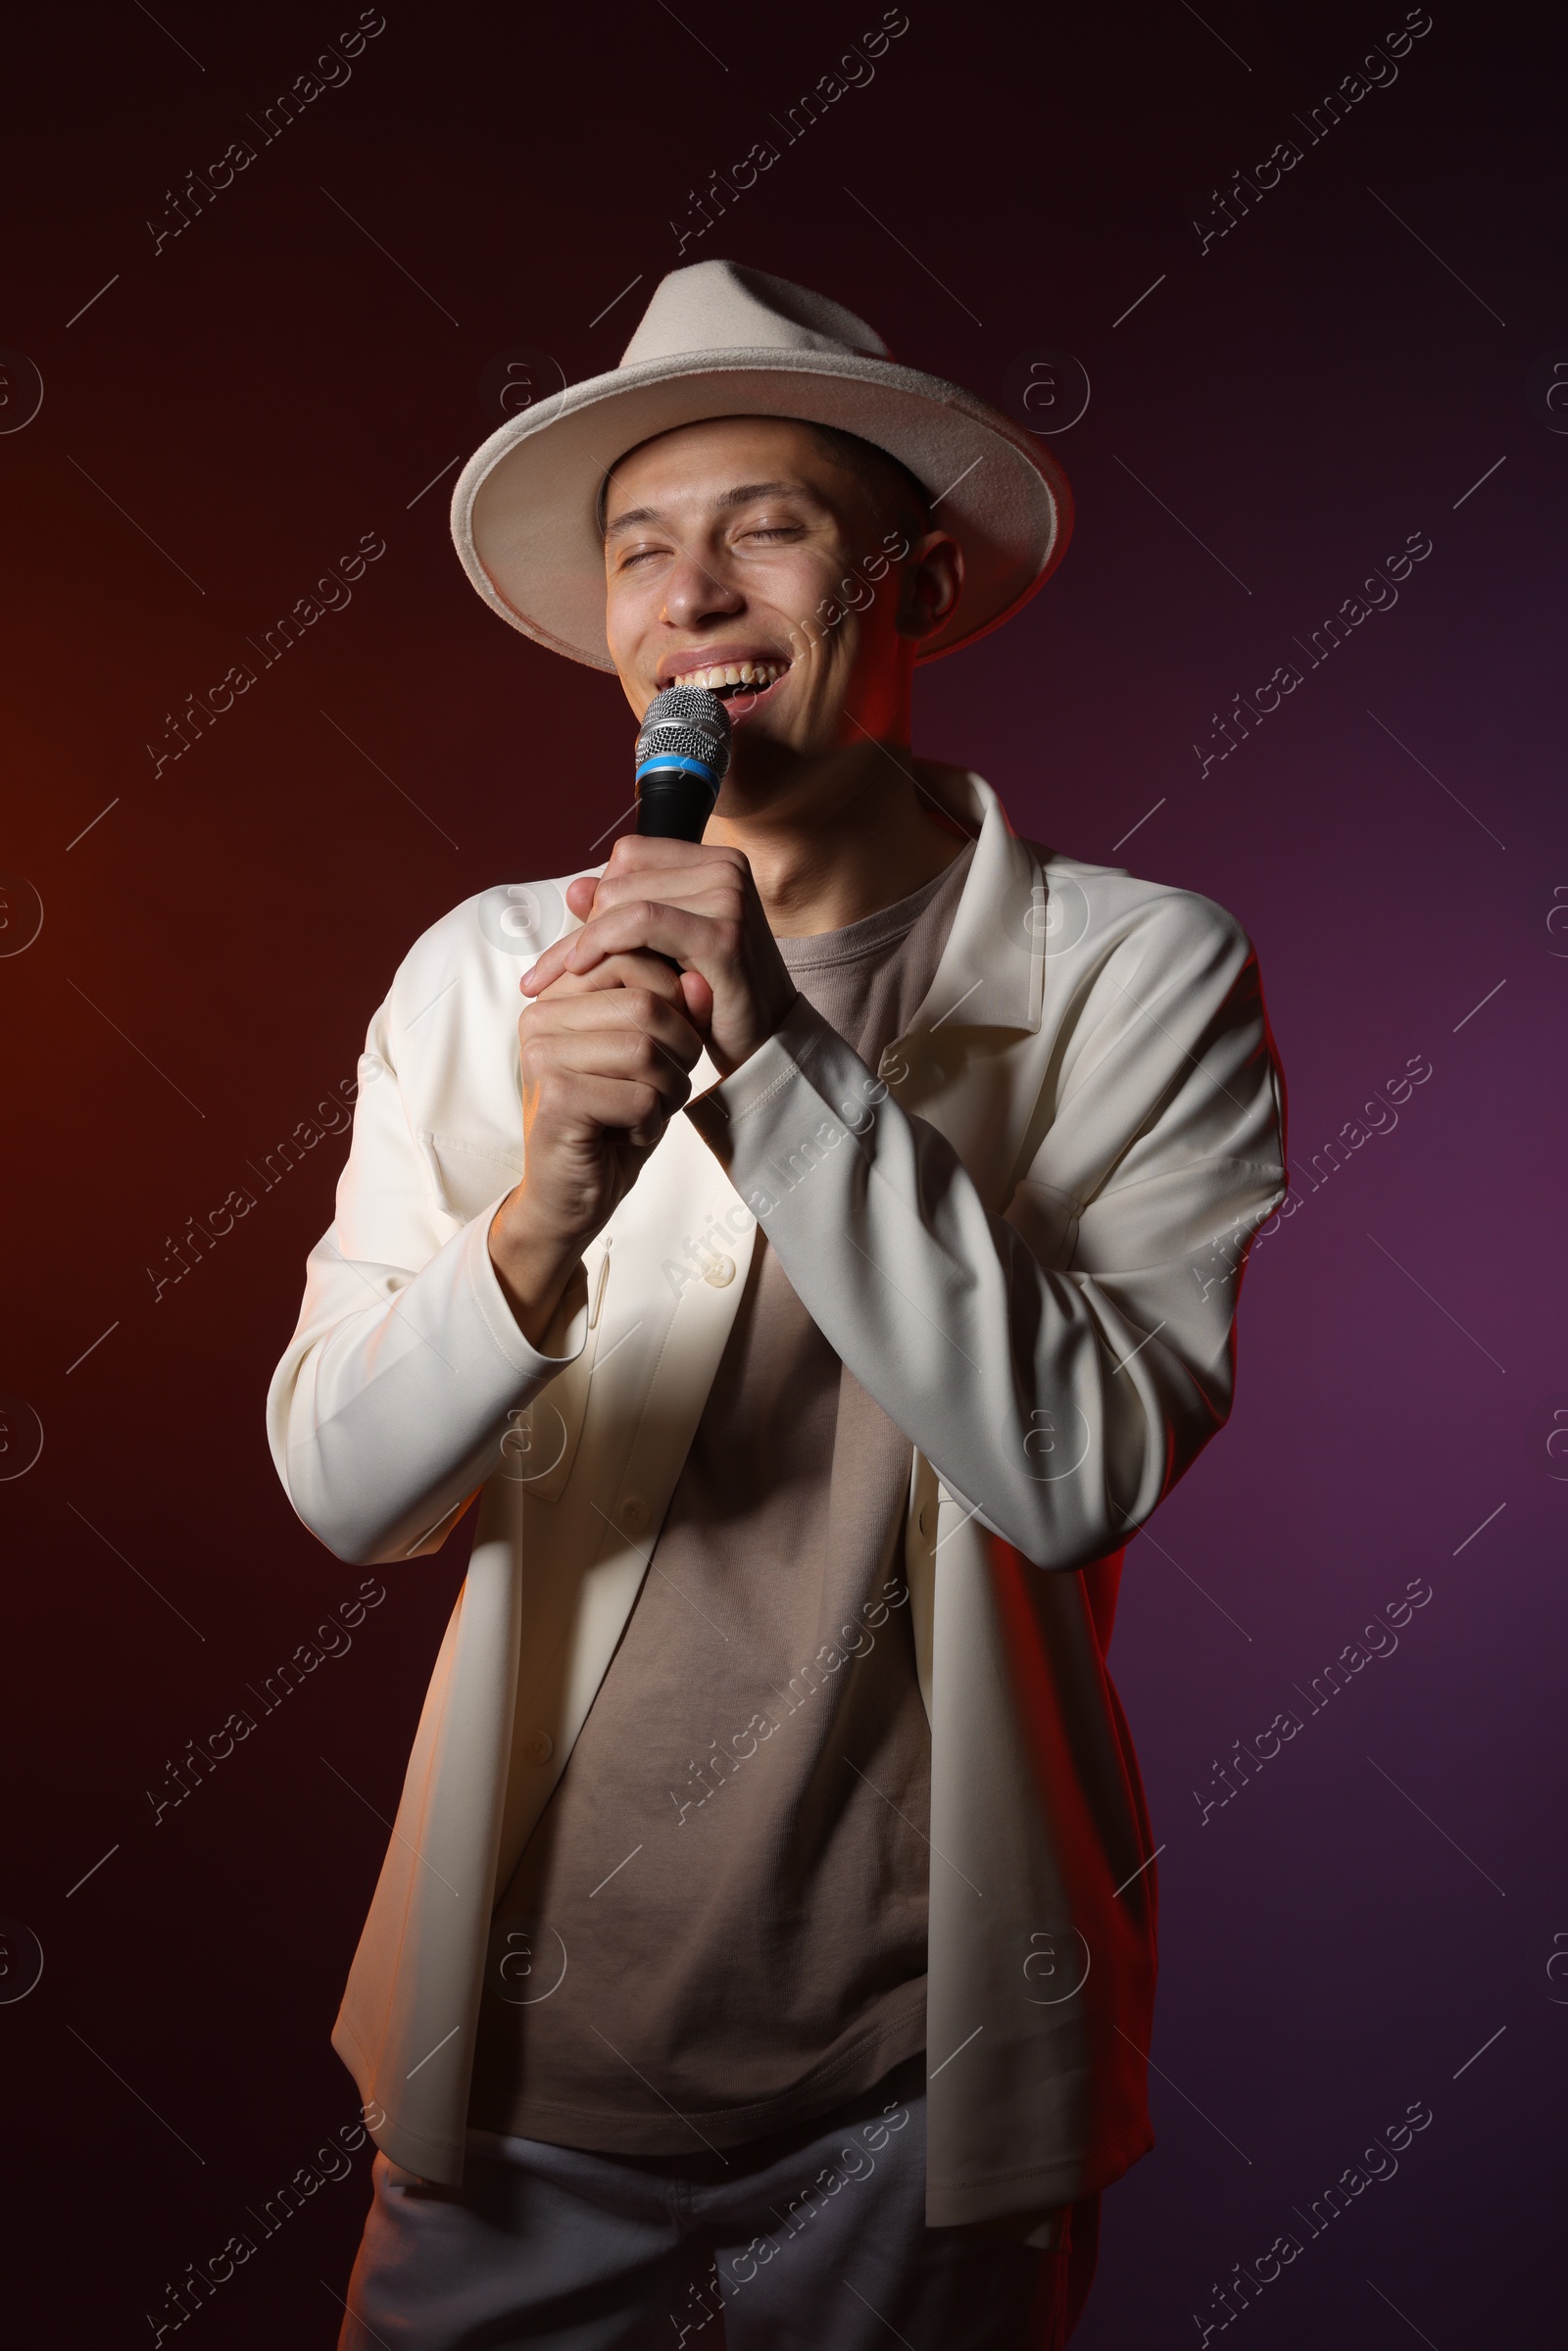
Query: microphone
x,y
682,755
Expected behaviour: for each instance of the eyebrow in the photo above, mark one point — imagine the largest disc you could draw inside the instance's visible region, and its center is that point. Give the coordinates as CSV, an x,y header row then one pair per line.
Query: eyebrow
x,y
742,495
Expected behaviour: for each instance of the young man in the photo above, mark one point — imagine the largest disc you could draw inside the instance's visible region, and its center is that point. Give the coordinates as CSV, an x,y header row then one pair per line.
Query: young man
x,y
818,1279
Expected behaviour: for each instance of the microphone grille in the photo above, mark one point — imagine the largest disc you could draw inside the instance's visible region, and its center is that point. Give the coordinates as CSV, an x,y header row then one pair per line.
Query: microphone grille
x,y
687,722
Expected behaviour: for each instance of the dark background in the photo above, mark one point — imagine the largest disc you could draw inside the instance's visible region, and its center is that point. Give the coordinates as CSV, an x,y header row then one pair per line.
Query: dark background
x,y
227,417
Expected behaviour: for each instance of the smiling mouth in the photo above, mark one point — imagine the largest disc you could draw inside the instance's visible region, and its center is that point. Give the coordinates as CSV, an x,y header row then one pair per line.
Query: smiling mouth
x,y
734,681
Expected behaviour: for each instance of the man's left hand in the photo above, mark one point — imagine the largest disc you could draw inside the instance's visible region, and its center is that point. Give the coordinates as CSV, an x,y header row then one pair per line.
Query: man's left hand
x,y
698,905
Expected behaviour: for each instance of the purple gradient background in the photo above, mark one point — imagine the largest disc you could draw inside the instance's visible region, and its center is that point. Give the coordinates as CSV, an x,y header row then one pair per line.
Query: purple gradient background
x,y
1302,396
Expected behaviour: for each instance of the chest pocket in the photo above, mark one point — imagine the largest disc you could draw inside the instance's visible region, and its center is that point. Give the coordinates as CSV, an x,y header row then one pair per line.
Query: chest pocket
x,y
466,1173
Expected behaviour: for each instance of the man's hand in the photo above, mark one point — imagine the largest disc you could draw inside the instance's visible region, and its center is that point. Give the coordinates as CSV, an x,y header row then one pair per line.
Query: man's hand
x,y
698,905
605,1057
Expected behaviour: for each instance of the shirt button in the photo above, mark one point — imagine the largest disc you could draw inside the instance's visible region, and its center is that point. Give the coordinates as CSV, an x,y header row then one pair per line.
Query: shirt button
x,y
721,1273
539,1748
633,1513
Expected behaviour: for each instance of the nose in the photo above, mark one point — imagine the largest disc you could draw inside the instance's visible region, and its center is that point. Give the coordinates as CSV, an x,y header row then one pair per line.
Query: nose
x,y
695,592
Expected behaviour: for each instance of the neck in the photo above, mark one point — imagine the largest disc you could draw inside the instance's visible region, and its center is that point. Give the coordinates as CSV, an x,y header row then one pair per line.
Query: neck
x,y
833,839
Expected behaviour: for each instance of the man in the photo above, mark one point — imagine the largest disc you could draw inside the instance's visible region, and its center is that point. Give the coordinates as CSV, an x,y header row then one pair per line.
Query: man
x,y
819,1281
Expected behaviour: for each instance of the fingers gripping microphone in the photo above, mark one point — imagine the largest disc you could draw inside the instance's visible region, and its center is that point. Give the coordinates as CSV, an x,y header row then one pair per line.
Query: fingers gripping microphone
x,y
682,755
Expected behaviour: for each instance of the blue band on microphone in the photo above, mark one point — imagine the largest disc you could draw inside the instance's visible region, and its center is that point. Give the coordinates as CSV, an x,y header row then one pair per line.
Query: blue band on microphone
x,y
664,762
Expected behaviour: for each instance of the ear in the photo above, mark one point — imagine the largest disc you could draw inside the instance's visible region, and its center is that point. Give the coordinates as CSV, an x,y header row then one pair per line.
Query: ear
x,y
931,585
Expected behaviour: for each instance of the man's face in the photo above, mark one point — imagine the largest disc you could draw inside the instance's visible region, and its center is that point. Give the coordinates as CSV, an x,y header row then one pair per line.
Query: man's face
x,y
723,540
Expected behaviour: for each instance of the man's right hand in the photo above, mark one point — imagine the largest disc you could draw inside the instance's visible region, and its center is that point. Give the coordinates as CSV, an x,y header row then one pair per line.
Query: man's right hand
x,y
605,1059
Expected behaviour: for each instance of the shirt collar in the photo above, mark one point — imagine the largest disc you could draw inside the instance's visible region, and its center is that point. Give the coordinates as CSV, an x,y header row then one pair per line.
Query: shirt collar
x,y
992,972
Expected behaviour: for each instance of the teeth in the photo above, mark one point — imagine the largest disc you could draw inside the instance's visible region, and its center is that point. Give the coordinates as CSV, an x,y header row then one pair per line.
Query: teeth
x,y
734,673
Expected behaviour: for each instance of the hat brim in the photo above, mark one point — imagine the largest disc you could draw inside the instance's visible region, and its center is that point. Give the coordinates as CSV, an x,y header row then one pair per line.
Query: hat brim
x,y
525,510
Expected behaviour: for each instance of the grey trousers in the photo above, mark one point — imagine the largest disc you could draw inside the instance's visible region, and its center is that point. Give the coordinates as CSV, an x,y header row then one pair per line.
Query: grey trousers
x,y
812,2240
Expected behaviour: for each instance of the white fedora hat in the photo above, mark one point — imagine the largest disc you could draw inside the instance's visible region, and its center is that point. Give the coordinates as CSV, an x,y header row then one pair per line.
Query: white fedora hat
x,y
719,340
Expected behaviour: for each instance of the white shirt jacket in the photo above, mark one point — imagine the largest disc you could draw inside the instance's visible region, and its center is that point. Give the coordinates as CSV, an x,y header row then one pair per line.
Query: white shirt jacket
x,y
1024,1236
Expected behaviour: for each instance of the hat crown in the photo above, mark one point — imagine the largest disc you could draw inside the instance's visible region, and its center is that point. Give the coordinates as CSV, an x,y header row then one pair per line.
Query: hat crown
x,y
722,306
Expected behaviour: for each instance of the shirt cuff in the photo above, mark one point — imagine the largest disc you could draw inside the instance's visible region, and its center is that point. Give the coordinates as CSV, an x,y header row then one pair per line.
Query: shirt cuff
x,y
563,1340
777,1063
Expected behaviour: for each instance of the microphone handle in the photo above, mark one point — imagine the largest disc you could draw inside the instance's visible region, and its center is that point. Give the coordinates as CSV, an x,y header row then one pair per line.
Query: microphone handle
x,y
674,805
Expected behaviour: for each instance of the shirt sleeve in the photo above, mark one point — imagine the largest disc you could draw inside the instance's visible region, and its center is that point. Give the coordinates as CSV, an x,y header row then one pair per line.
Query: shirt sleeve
x,y
387,1410
1061,1362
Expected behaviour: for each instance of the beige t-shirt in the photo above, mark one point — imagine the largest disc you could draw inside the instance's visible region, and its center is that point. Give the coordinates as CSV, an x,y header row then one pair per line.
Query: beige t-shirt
x,y
718,1927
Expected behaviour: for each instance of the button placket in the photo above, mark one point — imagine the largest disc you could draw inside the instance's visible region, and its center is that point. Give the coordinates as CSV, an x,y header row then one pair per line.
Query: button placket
x,y
599,1286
